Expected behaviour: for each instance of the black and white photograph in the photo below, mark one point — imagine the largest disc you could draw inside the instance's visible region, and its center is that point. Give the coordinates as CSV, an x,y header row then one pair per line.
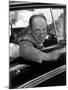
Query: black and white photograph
x,y
37,44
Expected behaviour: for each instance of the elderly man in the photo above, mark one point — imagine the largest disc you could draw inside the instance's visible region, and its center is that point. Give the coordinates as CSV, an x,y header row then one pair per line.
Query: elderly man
x,y
31,43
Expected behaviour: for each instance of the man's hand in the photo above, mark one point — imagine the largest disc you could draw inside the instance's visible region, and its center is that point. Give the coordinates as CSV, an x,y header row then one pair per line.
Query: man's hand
x,y
52,56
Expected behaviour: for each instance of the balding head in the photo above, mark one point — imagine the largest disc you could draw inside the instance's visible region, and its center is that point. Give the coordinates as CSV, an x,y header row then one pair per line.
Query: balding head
x,y
36,16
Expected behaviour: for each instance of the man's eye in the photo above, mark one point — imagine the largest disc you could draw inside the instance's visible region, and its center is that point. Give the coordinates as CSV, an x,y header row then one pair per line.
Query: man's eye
x,y
38,31
45,29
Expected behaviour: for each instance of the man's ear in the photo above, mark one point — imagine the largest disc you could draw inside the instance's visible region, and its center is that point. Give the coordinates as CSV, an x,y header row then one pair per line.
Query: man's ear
x,y
47,29
29,29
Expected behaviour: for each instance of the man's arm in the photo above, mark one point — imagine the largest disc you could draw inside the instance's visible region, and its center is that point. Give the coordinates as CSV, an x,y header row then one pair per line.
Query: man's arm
x,y
27,51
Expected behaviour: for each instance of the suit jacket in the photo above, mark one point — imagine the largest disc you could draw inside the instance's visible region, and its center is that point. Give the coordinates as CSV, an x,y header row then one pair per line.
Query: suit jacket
x,y
30,49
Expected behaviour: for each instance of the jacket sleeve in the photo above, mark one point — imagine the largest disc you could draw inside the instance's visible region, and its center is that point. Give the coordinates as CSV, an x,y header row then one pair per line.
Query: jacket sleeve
x,y
27,51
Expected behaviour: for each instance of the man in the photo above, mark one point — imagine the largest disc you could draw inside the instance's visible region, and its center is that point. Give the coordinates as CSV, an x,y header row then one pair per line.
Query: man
x,y
31,43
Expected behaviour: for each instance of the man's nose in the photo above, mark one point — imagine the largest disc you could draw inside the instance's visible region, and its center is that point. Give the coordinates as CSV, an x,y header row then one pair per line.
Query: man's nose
x,y
41,35
41,31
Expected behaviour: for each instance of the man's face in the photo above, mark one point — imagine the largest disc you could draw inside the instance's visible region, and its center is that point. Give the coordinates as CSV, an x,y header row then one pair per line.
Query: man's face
x,y
39,29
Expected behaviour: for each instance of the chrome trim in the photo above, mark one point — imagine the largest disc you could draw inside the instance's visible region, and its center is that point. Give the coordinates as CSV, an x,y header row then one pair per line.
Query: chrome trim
x,y
43,77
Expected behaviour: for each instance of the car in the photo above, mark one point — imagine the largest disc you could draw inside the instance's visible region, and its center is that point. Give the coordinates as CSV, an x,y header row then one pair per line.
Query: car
x,y
28,74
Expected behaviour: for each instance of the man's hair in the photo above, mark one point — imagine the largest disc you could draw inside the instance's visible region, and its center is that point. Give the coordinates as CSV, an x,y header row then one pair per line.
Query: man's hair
x,y
35,16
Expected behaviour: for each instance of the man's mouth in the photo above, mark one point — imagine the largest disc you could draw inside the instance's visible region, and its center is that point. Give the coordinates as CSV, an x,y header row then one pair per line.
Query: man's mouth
x,y
41,38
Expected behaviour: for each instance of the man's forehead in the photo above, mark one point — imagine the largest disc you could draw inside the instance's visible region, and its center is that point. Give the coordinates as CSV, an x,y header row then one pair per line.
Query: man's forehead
x,y
39,21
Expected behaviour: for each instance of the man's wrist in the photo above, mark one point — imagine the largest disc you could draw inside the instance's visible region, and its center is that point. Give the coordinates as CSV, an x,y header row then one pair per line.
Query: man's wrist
x,y
45,57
